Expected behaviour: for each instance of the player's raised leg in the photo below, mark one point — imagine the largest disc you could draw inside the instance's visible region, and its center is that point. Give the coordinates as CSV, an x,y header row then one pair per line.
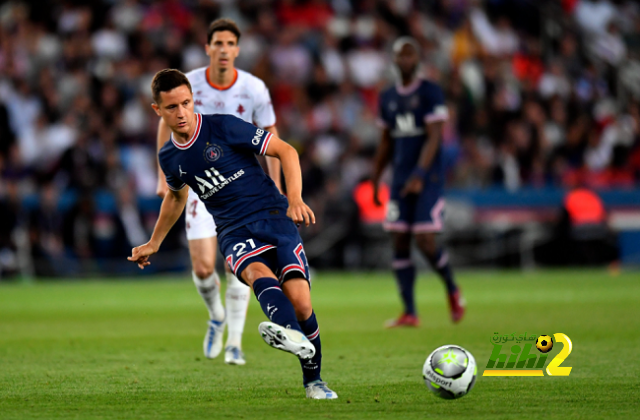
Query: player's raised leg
x,y
284,331
439,260
208,285
405,273
237,302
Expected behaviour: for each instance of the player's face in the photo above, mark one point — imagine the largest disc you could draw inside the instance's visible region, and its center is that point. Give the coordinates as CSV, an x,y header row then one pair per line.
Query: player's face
x,y
176,108
407,59
223,50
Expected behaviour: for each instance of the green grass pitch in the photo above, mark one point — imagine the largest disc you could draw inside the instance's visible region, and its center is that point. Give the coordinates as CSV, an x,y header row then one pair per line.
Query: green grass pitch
x,y
132,349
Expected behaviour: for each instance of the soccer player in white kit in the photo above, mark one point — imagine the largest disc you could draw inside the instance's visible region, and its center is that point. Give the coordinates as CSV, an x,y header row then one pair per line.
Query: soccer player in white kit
x,y
220,88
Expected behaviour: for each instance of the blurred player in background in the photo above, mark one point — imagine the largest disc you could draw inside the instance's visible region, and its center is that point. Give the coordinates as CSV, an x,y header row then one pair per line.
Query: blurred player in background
x,y
215,156
412,115
220,88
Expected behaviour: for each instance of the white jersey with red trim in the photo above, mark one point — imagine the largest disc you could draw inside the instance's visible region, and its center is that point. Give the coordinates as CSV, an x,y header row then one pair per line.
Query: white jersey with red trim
x,y
247,97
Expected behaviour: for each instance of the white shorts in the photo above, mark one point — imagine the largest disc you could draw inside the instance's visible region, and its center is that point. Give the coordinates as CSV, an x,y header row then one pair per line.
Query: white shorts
x,y
198,220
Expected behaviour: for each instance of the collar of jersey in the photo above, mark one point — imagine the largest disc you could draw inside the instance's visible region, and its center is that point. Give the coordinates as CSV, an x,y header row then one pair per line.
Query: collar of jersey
x,y
216,87
407,90
193,138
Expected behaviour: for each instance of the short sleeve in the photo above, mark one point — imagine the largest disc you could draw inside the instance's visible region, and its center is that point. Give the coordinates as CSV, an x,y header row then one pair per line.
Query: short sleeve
x,y
381,120
436,109
263,113
173,182
242,135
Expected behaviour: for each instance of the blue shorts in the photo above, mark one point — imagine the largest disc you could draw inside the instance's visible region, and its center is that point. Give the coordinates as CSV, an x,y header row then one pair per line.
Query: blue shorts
x,y
273,242
420,213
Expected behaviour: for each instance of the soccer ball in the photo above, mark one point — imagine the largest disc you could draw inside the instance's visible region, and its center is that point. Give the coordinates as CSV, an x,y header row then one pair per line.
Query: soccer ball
x,y
544,343
450,371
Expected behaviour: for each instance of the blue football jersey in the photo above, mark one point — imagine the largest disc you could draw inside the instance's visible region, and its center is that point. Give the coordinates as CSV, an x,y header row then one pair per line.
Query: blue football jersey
x,y
406,111
219,164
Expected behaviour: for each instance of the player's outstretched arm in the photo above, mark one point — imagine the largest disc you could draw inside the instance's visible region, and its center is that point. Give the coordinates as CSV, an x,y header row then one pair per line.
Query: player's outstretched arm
x,y
164,133
273,165
172,206
416,182
383,156
298,211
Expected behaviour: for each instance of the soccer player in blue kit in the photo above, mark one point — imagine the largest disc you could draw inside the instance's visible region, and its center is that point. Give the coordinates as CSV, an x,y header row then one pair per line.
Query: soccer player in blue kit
x,y
214,155
412,116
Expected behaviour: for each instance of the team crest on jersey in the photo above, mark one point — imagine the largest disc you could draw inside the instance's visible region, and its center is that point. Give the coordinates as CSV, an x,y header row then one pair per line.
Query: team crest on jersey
x,y
198,102
212,152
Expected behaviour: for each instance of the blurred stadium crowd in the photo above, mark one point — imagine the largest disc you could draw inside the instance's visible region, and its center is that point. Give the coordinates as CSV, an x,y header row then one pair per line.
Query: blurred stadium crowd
x,y
540,93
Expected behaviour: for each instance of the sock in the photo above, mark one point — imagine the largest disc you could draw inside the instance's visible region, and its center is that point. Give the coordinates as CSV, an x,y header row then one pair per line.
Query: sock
x,y
440,263
311,368
237,301
209,289
275,305
406,277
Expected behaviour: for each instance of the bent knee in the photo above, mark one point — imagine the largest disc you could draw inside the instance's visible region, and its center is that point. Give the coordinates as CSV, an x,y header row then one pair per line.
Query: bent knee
x,y
402,242
255,271
203,269
301,301
303,309
426,243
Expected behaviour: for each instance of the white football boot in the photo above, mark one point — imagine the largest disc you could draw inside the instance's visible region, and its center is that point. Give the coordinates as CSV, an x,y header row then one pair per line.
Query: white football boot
x,y
213,339
286,339
234,356
318,390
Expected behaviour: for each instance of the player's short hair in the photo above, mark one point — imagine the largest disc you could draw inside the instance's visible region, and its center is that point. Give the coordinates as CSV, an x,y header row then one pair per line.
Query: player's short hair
x,y
166,80
405,40
223,24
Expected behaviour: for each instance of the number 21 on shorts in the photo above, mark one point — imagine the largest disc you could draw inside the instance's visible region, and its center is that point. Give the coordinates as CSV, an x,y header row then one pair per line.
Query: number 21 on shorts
x,y
240,247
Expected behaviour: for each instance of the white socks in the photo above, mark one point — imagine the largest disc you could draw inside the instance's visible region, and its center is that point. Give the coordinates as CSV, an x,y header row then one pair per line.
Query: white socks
x,y
237,300
209,289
